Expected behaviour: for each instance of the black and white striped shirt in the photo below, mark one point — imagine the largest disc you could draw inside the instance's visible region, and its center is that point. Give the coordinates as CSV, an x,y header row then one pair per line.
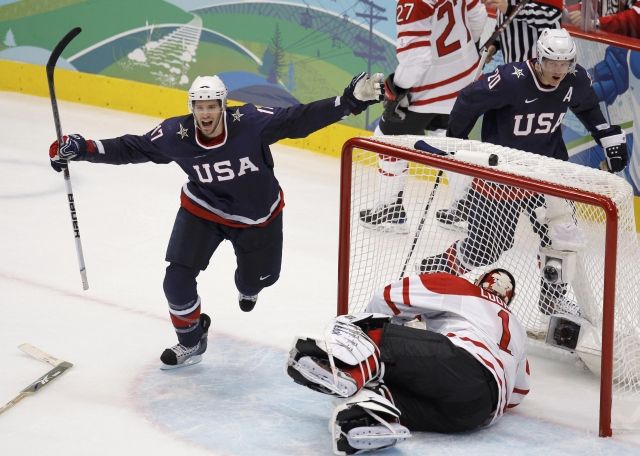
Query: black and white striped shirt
x,y
518,40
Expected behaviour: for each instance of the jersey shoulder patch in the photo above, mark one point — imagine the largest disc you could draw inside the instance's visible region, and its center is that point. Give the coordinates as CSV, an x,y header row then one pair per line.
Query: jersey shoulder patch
x,y
513,72
581,74
250,110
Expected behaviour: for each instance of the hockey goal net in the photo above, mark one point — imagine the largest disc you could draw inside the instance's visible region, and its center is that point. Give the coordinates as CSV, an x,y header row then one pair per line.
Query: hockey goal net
x,y
593,210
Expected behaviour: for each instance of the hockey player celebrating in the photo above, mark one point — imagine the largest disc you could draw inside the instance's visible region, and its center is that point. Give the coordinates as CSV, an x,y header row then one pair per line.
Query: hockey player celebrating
x,y
231,193
523,105
464,371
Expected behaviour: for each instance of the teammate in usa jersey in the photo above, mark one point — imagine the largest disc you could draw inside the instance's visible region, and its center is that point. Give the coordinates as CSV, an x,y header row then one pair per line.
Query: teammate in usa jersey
x,y
523,106
231,193
524,103
464,370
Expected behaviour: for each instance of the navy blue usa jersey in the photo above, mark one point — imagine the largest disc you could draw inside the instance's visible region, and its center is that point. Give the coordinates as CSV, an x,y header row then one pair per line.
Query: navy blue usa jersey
x,y
520,112
231,182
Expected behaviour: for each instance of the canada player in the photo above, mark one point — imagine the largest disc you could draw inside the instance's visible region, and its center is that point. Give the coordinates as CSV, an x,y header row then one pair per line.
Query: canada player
x,y
523,105
231,193
437,57
464,371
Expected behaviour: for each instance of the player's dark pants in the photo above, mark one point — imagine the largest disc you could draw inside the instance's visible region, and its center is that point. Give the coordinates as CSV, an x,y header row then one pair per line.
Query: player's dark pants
x,y
415,123
194,240
492,226
437,386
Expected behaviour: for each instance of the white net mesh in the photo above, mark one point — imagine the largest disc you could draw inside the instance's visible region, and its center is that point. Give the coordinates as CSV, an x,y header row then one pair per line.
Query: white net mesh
x,y
505,227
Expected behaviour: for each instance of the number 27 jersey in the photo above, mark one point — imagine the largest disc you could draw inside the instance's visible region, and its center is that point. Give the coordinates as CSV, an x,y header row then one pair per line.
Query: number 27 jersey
x,y
436,50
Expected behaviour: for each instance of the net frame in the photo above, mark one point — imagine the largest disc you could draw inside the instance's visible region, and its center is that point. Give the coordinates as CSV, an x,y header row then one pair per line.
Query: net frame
x,y
386,146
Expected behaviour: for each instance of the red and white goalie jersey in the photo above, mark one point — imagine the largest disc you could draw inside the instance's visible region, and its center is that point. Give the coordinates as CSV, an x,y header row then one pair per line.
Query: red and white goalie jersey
x,y
436,50
472,318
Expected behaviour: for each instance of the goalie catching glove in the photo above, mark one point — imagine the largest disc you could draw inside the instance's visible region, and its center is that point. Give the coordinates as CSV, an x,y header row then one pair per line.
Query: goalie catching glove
x,y
614,142
345,361
71,147
363,91
366,422
396,101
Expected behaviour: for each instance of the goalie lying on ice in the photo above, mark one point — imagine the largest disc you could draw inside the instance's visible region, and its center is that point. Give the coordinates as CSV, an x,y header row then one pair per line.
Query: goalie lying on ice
x,y
460,373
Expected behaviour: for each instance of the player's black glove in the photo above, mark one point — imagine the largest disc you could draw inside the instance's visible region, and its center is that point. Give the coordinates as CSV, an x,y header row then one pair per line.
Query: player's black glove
x,y
72,147
614,142
396,101
363,91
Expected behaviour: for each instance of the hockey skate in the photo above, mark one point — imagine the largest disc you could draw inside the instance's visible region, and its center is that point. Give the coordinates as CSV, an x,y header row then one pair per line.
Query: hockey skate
x,y
553,300
443,262
366,422
387,218
247,302
432,264
454,218
181,356
560,305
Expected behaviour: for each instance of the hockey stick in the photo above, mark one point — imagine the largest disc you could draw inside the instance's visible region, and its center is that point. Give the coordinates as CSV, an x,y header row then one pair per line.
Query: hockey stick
x,y
423,146
38,354
59,368
475,158
422,222
484,52
51,66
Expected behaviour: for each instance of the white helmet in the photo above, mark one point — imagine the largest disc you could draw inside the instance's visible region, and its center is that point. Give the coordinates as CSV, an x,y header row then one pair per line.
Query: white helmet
x,y
207,88
500,282
556,44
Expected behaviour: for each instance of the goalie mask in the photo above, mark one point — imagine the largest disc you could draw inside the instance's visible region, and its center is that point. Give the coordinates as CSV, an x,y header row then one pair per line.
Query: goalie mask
x,y
207,88
556,50
500,282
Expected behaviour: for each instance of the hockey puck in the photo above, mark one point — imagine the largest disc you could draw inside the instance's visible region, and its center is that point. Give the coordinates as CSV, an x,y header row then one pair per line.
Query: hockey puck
x,y
493,160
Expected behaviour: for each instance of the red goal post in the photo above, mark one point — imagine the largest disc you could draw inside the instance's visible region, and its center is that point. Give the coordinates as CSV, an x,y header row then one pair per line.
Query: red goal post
x,y
602,207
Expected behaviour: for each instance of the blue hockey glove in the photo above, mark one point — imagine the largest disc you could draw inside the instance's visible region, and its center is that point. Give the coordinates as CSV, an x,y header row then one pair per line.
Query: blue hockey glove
x,y
363,91
73,146
613,141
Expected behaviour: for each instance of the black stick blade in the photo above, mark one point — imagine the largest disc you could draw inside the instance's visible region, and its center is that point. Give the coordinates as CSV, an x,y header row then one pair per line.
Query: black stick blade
x,y
425,147
57,51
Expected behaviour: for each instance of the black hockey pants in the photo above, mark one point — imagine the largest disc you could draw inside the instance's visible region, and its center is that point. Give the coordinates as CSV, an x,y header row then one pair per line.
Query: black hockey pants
x,y
437,386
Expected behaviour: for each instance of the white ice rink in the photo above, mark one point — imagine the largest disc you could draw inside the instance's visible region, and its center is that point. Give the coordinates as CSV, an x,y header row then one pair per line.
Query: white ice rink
x,y
238,401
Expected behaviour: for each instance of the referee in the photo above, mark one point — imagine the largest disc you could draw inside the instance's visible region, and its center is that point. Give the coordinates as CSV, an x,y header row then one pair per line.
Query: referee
x,y
518,40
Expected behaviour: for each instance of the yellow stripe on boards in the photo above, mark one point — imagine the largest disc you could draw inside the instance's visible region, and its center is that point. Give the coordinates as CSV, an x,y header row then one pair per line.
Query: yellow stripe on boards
x,y
152,100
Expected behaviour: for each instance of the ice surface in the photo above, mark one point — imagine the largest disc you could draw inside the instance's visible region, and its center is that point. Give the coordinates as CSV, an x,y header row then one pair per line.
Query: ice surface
x,y
238,401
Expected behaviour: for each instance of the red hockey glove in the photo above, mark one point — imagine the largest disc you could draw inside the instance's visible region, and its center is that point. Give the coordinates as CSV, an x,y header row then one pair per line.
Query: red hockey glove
x,y
396,101
73,146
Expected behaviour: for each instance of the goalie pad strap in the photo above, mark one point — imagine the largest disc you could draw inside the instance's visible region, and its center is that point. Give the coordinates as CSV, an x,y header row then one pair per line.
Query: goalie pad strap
x,y
366,422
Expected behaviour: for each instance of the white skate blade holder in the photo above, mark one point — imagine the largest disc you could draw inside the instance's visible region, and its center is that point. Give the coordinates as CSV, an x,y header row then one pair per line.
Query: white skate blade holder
x,y
195,359
372,437
474,158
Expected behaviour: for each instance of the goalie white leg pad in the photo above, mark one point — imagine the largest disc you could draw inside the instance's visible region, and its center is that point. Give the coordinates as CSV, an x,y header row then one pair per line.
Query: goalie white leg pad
x,y
343,362
366,422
